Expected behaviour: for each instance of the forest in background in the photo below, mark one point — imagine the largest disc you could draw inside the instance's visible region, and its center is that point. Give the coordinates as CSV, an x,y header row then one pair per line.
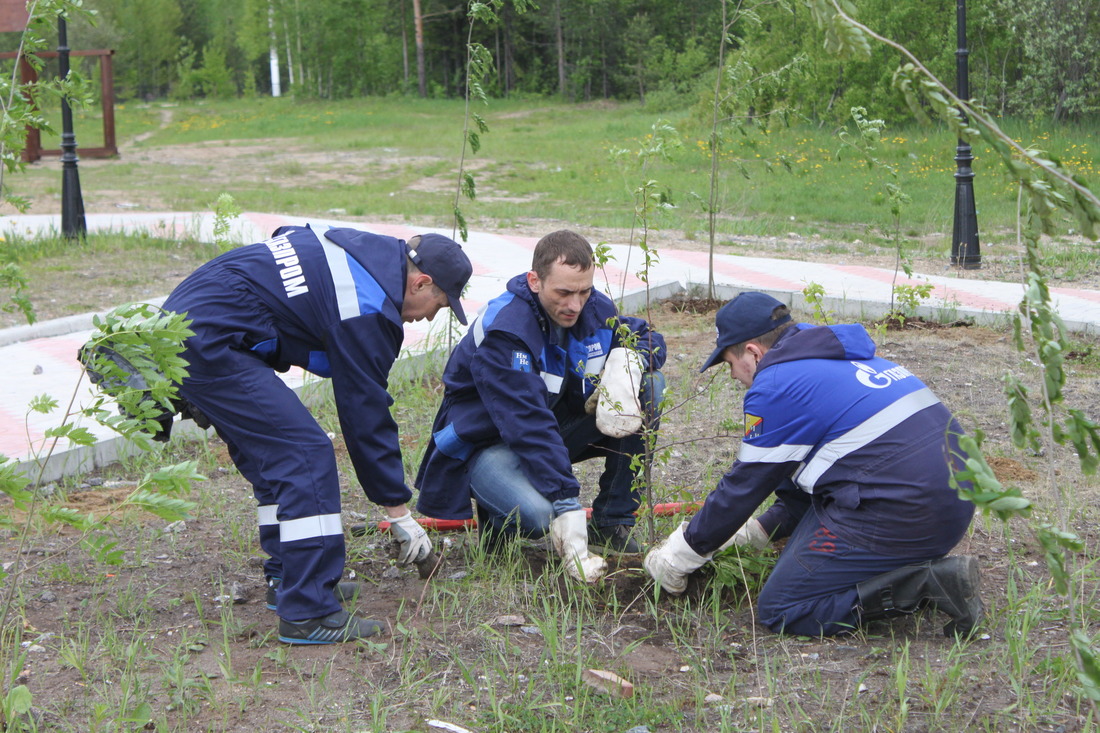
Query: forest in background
x,y
1027,58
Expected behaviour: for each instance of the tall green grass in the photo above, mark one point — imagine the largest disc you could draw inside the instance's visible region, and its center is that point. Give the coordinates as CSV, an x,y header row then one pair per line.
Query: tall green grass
x,y
549,160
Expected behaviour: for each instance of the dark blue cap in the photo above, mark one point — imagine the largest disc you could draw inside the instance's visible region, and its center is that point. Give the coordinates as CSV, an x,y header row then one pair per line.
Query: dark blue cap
x,y
442,258
746,317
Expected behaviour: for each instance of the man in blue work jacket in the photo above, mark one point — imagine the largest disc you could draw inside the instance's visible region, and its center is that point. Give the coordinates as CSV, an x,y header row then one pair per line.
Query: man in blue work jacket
x,y
513,418
334,303
858,453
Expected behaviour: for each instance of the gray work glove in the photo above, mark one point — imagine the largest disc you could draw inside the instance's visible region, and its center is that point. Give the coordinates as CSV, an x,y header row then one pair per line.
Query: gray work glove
x,y
414,541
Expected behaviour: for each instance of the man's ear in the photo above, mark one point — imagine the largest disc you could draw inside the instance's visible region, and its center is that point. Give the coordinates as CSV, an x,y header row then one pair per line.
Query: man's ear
x,y
533,281
419,281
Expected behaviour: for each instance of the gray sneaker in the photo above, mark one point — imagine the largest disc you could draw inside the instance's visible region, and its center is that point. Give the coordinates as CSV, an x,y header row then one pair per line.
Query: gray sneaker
x,y
332,629
615,539
344,592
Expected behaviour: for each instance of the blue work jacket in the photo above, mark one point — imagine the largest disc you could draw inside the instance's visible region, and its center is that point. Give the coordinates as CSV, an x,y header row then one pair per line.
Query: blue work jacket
x,y
869,442
328,301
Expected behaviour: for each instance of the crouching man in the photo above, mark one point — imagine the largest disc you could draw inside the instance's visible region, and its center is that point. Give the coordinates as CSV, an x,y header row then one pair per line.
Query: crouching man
x,y
858,453
516,412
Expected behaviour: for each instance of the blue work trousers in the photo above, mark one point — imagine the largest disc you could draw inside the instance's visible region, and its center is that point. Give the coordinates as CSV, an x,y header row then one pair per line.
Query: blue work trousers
x,y
812,589
278,446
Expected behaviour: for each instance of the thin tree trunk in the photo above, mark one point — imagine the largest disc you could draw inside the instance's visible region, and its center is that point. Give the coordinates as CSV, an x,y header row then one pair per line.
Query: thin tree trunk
x,y
560,46
289,55
298,35
421,74
405,40
508,64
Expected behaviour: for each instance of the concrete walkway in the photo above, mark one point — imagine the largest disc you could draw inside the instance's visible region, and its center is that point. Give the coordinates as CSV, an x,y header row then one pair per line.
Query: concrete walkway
x,y
40,359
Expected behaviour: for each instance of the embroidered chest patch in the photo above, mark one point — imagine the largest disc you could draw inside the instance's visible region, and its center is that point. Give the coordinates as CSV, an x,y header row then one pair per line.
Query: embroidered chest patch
x,y
521,361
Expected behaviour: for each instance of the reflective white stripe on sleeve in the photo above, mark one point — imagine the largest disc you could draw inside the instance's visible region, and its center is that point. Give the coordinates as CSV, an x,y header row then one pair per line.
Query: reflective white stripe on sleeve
x,y
595,366
347,298
478,327
306,528
861,435
266,515
553,382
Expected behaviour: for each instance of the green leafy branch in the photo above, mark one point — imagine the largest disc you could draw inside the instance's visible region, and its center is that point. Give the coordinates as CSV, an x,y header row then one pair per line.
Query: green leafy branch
x,y
20,103
225,211
479,65
1045,188
1047,182
12,278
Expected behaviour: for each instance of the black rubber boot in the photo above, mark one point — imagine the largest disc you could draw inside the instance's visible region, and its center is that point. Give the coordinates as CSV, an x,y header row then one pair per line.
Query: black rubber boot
x,y
951,584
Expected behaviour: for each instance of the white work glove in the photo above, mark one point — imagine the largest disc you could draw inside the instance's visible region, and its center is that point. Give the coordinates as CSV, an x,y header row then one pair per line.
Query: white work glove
x,y
415,545
672,561
569,537
619,412
751,534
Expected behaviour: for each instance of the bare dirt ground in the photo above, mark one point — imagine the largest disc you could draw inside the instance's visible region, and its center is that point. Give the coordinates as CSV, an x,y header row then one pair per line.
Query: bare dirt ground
x,y
190,598
185,612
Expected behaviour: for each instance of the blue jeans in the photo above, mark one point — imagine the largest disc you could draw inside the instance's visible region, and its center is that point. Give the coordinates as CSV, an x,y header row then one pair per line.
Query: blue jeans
x,y
507,501
812,589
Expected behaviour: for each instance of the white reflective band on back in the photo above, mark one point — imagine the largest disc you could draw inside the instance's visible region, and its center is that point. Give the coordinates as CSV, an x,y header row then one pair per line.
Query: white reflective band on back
x,y
775,454
553,382
347,299
267,514
595,366
306,528
867,431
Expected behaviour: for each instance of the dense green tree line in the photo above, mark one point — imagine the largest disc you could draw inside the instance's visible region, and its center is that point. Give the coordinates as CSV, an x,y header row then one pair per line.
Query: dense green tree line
x,y
1033,57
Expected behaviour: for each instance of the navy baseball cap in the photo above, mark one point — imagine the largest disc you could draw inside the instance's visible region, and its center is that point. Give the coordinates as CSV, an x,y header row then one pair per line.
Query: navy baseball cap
x,y
745,317
443,259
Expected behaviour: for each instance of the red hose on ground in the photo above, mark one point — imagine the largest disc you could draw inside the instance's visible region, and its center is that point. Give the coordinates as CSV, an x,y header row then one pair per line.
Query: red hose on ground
x,y
455,525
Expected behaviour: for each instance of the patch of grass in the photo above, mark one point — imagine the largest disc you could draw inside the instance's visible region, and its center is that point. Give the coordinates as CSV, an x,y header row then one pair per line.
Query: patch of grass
x,y
403,152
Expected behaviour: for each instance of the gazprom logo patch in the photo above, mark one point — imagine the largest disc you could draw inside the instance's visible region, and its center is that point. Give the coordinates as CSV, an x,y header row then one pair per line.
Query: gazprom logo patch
x,y
870,377
521,361
594,349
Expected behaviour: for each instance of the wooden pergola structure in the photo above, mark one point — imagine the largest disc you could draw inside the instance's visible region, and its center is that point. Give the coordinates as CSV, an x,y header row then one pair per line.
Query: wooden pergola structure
x,y
14,18
33,150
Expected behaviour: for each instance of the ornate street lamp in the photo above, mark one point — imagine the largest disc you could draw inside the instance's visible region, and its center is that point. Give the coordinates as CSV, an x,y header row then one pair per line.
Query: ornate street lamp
x,y
965,249
72,203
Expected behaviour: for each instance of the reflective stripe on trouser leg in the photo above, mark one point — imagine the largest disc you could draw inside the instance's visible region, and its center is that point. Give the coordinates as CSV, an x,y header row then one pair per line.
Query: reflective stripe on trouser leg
x,y
268,520
286,453
309,545
266,514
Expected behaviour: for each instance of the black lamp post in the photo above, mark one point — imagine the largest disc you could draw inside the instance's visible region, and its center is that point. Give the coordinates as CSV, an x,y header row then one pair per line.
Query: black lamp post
x,y
965,249
72,203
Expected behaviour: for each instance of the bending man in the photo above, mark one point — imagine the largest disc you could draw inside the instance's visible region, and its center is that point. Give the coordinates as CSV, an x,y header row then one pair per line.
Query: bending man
x,y
332,302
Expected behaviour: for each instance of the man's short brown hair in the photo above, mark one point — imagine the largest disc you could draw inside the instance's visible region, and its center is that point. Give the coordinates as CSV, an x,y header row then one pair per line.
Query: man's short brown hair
x,y
563,246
